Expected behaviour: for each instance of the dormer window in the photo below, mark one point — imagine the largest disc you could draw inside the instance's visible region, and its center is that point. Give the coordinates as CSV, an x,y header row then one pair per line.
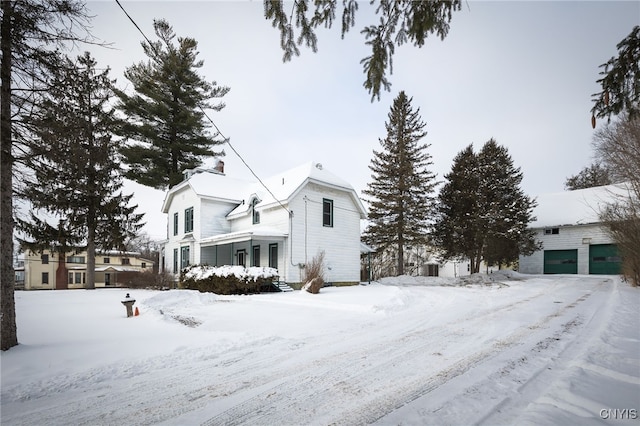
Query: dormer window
x,y
254,212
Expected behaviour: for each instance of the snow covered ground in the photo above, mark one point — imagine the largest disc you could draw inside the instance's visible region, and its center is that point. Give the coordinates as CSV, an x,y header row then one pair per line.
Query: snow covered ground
x,y
490,349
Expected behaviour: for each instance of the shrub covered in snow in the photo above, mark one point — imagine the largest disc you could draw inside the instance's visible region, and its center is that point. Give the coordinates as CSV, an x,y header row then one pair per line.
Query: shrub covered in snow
x,y
234,279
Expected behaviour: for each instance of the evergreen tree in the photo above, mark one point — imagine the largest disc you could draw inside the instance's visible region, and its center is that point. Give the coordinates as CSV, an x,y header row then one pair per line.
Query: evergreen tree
x,y
593,175
401,21
165,118
30,32
76,175
401,199
505,210
482,213
620,81
457,227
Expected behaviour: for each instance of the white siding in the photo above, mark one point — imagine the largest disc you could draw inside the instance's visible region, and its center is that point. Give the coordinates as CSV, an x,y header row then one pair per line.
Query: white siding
x,y
182,200
341,242
568,238
213,219
306,234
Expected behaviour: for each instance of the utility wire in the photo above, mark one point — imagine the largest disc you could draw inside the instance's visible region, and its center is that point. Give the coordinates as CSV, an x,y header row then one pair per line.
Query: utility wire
x,y
226,139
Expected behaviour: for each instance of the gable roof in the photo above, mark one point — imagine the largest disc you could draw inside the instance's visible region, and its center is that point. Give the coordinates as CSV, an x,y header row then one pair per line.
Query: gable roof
x,y
578,207
208,185
283,186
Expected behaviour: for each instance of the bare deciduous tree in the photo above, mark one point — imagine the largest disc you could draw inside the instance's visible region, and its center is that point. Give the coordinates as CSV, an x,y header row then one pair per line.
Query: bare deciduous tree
x,y
618,146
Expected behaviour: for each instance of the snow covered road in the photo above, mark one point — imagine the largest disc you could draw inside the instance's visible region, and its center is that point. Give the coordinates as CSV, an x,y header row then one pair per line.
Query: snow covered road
x,y
520,350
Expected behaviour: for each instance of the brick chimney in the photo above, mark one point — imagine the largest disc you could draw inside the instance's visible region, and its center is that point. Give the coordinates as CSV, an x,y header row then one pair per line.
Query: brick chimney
x,y
219,167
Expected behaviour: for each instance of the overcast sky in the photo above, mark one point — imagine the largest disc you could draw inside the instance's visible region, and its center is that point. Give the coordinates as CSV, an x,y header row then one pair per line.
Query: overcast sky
x,y
520,72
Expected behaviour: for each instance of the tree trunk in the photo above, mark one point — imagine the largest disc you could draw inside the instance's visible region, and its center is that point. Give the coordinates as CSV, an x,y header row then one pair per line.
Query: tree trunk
x,y
62,273
91,255
8,331
400,254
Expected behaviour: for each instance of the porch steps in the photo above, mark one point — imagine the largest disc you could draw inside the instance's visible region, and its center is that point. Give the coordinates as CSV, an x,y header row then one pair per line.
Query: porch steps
x,y
283,286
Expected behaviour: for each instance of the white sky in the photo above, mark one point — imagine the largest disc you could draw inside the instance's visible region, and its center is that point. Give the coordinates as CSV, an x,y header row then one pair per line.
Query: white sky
x,y
520,72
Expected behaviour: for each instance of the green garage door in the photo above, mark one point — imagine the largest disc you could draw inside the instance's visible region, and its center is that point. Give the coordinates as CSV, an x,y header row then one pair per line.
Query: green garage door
x,y
604,259
561,261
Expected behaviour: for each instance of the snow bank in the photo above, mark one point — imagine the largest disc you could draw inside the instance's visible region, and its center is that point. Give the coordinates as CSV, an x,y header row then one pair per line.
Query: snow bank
x,y
496,278
542,349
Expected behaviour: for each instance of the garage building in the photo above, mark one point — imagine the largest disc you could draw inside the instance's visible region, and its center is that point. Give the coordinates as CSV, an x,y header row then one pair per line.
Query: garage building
x,y
573,238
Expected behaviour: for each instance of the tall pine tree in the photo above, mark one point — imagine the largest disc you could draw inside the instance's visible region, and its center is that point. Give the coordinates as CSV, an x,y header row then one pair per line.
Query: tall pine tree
x,y
31,30
76,176
401,193
166,124
482,212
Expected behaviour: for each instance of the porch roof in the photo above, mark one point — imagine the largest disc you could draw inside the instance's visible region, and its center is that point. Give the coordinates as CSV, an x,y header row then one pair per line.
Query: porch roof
x,y
117,269
246,235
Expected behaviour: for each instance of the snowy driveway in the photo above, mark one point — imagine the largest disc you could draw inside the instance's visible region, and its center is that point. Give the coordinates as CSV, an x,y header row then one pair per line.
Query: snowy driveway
x,y
540,350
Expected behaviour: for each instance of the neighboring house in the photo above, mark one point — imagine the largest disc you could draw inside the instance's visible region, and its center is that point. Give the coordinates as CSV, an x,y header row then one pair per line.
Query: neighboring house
x,y
218,220
573,238
113,269
419,261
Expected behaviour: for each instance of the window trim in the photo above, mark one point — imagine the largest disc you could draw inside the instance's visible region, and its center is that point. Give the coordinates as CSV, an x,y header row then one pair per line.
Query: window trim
x,y
327,217
185,254
255,255
175,223
188,220
241,254
175,261
273,255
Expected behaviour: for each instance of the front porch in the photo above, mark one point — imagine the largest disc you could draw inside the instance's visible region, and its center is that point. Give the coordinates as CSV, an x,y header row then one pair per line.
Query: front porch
x,y
262,247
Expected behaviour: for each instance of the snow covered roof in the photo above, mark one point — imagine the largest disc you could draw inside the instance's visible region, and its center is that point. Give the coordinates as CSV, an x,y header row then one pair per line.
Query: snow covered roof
x,y
283,187
579,207
210,185
117,269
255,233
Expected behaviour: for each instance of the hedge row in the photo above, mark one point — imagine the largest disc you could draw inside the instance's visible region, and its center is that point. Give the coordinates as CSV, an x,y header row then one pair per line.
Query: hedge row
x,y
226,280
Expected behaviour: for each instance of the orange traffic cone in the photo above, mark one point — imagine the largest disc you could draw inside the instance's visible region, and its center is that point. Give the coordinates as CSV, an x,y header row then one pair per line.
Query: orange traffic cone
x,y
137,312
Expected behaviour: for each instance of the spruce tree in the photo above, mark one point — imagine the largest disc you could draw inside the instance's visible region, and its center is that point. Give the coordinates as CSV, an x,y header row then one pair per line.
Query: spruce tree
x,y
482,212
593,175
76,174
165,122
399,22
31,31
505,210
401,193
457,227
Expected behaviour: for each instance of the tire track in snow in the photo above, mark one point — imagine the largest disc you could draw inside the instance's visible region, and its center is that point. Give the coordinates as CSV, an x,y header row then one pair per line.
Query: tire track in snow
x,y
309,395
281,392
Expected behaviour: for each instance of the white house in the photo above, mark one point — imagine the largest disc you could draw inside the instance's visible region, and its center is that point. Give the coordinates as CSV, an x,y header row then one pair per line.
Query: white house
x,y
218,220
574,241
